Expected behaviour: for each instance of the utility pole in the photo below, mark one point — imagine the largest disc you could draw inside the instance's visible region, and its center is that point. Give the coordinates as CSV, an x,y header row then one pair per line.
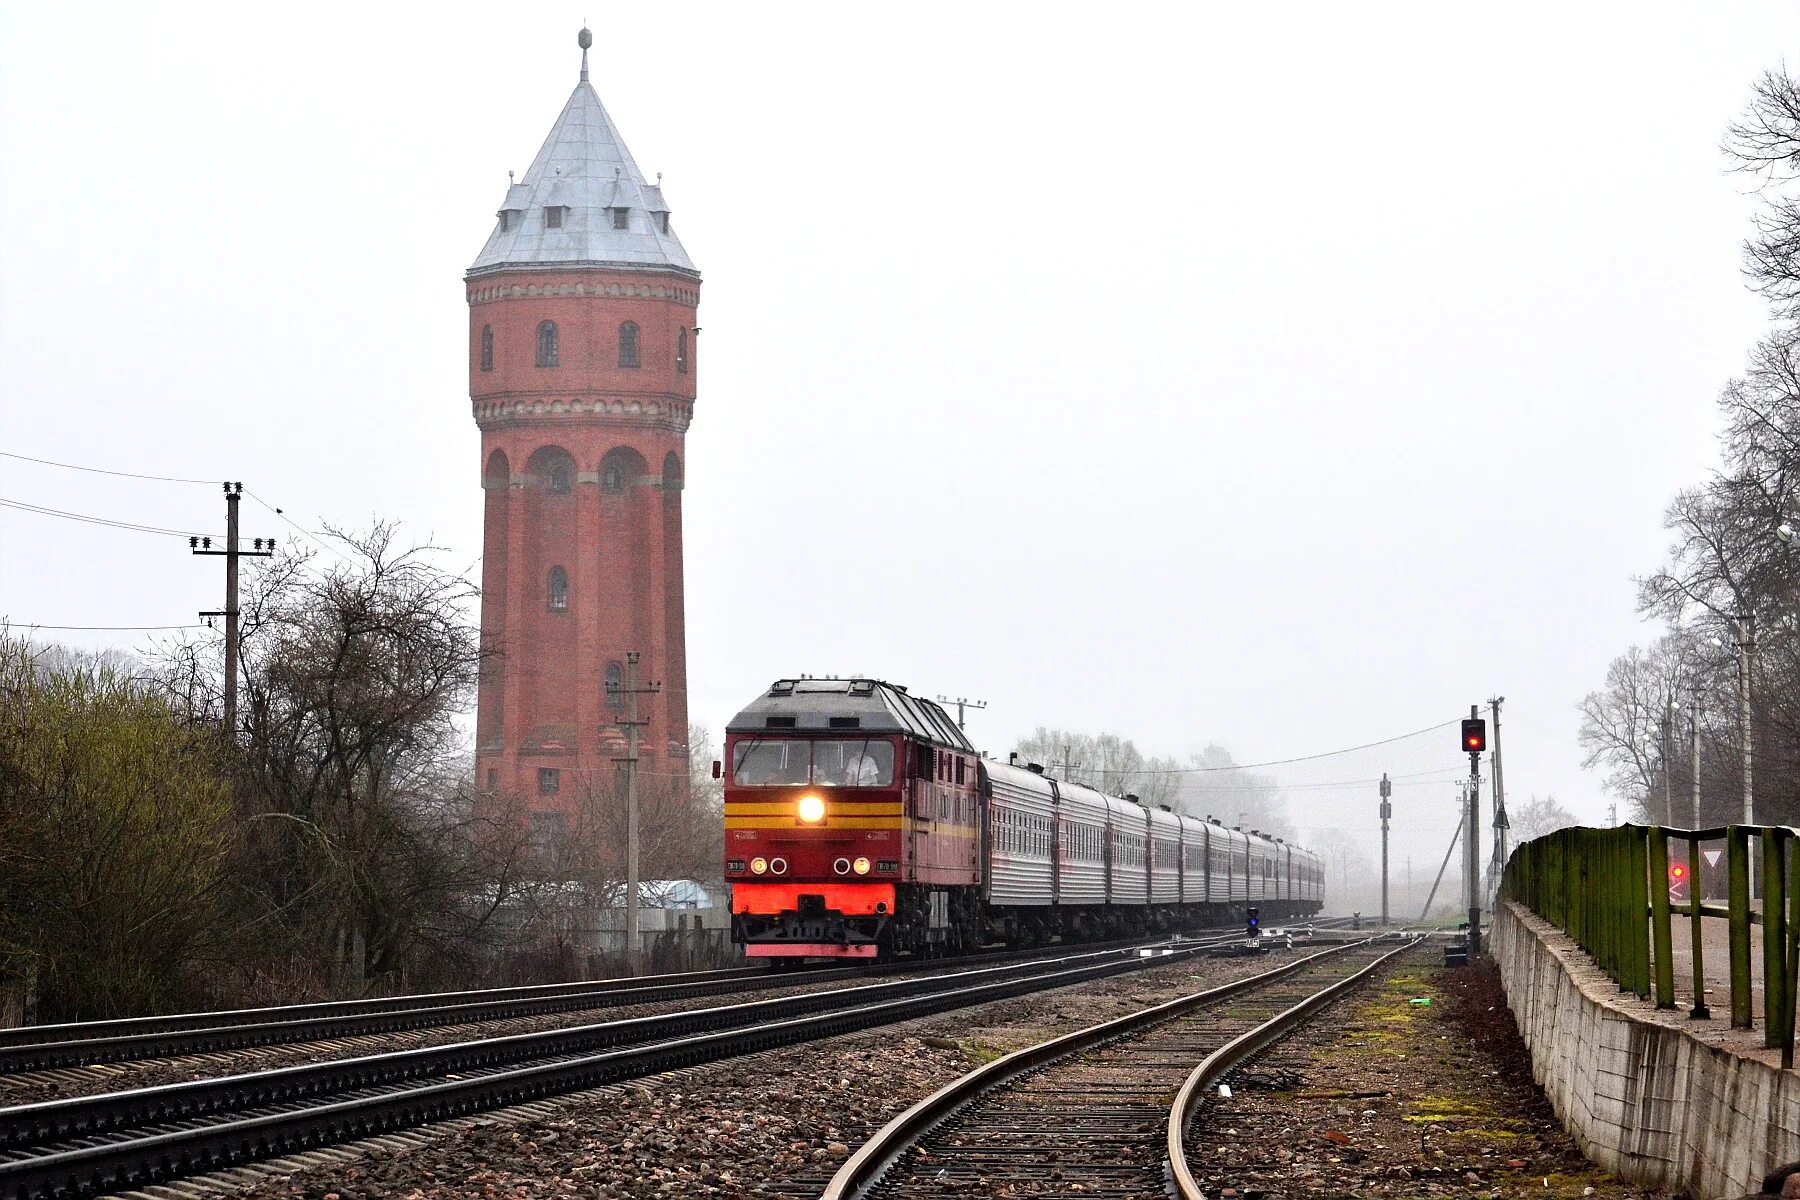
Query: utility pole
x,y
1746,675
1694,748
961,704
632,723
1668,767
1612,815
1387,810
231,554
1501,824
1455,839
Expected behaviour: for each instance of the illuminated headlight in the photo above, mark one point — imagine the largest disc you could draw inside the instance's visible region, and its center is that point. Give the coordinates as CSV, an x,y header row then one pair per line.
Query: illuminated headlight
x,y
862,866
811,809
758,865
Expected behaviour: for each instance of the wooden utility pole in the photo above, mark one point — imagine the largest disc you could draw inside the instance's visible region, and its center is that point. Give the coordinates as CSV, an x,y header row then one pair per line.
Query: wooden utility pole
x,y
632,690
231,554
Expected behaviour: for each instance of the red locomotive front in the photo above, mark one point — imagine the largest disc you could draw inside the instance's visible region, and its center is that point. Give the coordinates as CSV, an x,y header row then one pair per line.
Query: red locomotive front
x,y
829,850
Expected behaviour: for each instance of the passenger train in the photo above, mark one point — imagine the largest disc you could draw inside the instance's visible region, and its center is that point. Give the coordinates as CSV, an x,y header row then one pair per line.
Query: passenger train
x,y
860,823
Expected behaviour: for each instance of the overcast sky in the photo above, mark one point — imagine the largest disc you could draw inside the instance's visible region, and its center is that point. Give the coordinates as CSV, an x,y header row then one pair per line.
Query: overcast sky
x,y
1287,377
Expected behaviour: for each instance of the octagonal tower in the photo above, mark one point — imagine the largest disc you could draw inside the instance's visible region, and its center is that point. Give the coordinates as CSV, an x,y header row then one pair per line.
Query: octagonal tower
x,y
581,373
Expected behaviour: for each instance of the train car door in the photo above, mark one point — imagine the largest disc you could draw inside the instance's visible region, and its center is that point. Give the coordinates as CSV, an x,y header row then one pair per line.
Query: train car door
x,y
1056,844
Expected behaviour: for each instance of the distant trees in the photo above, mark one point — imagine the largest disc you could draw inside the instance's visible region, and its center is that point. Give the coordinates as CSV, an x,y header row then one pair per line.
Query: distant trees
x,y
1207,784
1538,816
1729,580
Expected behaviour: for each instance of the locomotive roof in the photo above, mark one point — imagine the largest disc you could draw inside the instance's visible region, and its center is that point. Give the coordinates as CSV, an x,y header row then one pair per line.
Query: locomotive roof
x,y
844,705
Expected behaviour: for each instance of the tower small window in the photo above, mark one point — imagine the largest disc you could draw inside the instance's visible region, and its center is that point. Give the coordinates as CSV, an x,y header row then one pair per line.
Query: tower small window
x,y
612,478
559,590
615,686
505,220
487,347
681,351
549,781
553,216
665,221
562,480
628,344
547,347
621,218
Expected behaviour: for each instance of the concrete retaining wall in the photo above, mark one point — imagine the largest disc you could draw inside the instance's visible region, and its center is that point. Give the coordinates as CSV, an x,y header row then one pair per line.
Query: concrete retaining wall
x,y
1651,1097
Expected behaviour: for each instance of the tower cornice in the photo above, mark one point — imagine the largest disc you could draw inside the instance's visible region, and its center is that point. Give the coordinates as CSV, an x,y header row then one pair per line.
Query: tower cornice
x,y
609,284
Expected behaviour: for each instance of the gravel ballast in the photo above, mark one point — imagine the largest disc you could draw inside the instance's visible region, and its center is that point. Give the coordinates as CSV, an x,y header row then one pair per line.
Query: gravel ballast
x,y
772,1124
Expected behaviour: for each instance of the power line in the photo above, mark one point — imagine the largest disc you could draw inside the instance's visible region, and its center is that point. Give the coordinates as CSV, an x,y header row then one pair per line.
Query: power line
x,y
1279,762
108,521
101,628
101,470
303,530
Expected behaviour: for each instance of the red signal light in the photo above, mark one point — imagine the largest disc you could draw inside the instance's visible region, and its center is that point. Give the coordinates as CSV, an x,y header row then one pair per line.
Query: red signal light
x,y
1678,872
1474,735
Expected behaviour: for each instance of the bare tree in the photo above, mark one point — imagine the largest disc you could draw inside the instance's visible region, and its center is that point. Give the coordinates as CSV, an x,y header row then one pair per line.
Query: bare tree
x,y
1539,816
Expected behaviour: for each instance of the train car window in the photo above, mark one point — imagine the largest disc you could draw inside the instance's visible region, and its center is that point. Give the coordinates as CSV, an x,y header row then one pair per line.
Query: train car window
x,y
766,763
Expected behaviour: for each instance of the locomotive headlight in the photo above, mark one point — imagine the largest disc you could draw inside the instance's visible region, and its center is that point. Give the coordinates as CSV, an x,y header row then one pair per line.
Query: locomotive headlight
x,y
758,865
862,866
811,809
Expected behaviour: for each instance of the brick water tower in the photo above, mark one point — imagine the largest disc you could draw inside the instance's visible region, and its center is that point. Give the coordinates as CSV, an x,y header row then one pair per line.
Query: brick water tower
x,y
581,373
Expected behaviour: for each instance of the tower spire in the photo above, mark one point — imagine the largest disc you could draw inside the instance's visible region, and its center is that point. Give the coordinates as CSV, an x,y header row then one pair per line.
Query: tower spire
x,y
584,39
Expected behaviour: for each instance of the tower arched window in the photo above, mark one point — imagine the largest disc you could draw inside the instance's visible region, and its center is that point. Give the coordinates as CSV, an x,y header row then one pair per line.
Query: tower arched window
x,y
487,347
615,686
612,478
562,478
559,590
681,353
628,344
547,347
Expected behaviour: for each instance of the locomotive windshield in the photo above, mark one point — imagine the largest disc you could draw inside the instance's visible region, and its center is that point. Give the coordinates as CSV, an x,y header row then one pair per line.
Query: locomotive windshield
x,y
793,762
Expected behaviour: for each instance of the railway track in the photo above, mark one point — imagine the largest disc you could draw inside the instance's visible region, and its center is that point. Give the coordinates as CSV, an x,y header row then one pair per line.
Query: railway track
x,y
44,1048
1090,1112
129,1139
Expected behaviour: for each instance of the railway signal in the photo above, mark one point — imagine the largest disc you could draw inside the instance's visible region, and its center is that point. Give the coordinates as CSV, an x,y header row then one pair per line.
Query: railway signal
x,y
1252,923
1474,735
1678,883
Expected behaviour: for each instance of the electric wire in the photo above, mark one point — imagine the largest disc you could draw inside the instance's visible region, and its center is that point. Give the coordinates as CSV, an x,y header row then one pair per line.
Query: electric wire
x,y
47,462
4,624
1280,762
133,526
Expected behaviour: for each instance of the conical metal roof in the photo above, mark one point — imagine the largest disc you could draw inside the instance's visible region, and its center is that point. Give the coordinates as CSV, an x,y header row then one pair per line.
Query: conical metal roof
x,y
585,172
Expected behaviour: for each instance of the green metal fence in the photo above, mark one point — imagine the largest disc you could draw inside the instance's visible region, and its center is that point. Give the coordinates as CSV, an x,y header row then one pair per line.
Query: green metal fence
x,y
1609,889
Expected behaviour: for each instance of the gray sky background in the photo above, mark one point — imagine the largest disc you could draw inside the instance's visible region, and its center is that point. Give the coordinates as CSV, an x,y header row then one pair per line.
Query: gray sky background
x,y
1287,377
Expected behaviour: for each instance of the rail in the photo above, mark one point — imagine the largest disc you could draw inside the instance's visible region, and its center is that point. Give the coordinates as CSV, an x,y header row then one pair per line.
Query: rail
x,y
1610,890
865,1168
1220,1062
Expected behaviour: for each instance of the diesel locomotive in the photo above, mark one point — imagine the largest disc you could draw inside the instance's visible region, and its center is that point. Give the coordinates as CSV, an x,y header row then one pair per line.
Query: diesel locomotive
x,y
860,823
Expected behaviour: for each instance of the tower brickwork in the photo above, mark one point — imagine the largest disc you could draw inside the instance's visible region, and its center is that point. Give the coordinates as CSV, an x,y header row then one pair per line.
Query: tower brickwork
x,y
582,371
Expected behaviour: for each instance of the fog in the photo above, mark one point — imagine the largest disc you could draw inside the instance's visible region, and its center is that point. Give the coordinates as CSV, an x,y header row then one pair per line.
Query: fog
x,y
1286,378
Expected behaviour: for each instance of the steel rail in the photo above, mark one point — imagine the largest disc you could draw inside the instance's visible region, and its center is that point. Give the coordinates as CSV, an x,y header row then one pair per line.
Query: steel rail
x,y
874,1157
1222,1060
125,1026
49,1121
133,1039
137,1161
